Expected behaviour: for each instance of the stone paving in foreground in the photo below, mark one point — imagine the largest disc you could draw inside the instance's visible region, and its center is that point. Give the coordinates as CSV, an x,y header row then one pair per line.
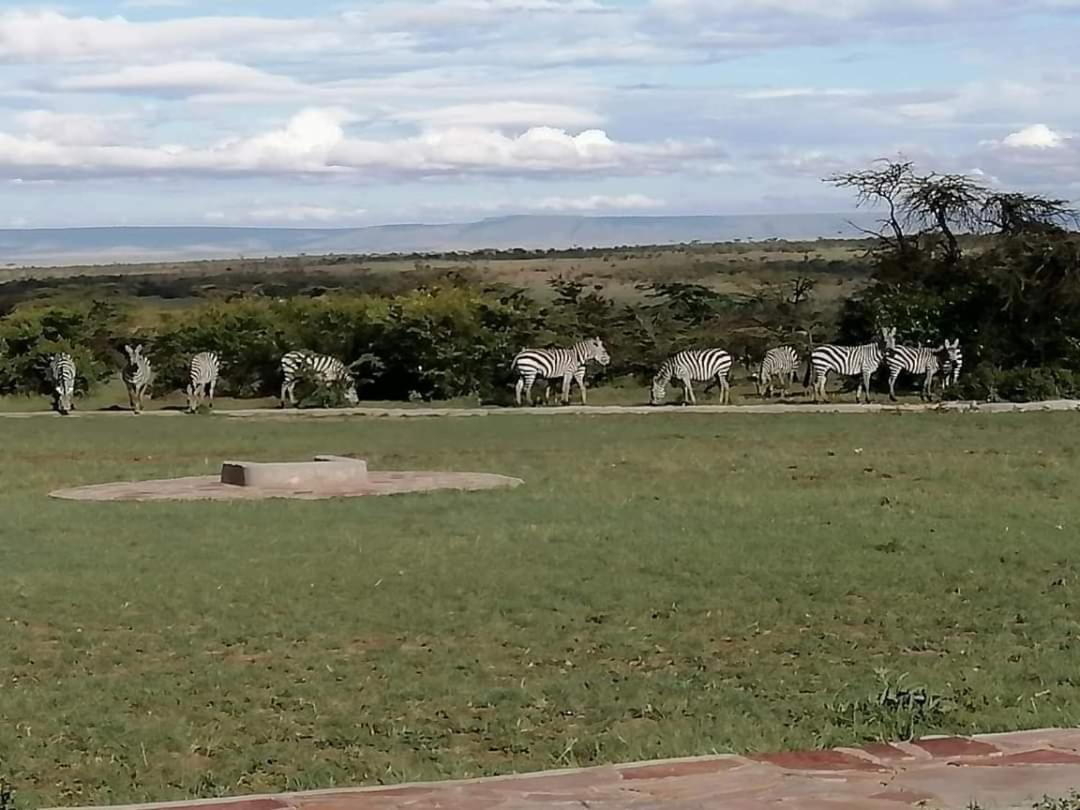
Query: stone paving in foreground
x,y
993,772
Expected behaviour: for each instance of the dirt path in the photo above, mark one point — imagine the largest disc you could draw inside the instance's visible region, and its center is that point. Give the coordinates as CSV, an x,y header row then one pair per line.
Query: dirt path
x,y
590,410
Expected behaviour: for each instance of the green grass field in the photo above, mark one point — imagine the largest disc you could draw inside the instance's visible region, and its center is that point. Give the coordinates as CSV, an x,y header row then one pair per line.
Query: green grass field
x,y
661,586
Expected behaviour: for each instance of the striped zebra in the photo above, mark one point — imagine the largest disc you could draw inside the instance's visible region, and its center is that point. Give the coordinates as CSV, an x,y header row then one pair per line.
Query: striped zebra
x,y
917,361
138,375
848,361
323,368
952,362
202,379
62,378
782,363
557,363
696,365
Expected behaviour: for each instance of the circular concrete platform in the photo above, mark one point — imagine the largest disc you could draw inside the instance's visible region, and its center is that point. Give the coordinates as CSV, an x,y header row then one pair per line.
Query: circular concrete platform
x,y
211,487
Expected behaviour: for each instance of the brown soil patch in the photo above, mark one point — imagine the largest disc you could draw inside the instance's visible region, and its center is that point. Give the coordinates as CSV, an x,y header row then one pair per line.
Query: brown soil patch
x,y
209,487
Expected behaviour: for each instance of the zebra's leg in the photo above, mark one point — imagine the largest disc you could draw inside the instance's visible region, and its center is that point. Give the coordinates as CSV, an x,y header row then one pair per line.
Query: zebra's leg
x,y
821,380
725,390
566,380
519,386
928,386
131,398
530,380
865,387
892,384
190,398
579,378
688,390
213,385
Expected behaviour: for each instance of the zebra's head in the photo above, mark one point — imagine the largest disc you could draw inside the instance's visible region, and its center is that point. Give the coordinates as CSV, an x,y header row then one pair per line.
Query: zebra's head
x,y
350,394
595,350
133,354
888,337
950,351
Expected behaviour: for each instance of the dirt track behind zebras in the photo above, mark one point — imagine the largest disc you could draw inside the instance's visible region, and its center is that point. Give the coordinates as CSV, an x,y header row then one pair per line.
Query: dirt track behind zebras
x,y
594,410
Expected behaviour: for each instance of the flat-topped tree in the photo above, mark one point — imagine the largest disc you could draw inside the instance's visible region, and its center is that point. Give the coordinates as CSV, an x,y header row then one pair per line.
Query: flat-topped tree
x,y
1013,214
885,183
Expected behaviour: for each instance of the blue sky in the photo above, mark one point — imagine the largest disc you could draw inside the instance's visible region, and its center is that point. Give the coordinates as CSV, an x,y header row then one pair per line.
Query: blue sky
x,y
338,113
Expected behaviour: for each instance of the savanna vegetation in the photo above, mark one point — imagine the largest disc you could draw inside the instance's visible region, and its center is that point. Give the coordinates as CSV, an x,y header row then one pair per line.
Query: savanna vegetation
x,y
953,259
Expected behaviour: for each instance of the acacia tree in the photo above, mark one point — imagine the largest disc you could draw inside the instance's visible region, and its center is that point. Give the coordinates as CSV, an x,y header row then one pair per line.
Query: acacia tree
x,y
945,203
886,183
1012,214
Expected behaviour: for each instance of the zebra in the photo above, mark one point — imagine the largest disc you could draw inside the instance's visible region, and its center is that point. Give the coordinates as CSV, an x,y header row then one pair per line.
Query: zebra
x,y
202,379
848,361
695,365
138,375
916,360
952,362
62,377
322,367
782,363
549,364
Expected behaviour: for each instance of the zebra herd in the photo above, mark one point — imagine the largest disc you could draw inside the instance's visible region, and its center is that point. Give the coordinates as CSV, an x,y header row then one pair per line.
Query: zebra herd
x,y
204,371
780,364
776,371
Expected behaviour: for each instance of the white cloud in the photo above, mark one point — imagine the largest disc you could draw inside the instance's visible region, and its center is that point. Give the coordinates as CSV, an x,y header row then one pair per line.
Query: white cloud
x,y
498,114
1036,136
290,214
314,141
37,36
73,129
156,3
597,202
191,77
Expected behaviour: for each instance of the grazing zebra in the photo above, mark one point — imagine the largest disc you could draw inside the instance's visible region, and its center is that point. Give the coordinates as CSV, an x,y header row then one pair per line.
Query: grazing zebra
x,y
848,361
951,363
782,363
138,375
695,365
549,364
915,360
62,377
322,367
202,379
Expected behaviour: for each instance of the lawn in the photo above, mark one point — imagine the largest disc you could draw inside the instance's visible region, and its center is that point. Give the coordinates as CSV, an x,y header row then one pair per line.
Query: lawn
x,y
662,585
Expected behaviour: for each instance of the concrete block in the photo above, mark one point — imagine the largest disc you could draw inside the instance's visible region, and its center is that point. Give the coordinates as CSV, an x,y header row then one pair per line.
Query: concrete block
x,y
327,472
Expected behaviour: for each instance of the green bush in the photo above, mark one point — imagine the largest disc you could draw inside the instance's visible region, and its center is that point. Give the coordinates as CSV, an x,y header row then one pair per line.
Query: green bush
x,y
31,333
989,383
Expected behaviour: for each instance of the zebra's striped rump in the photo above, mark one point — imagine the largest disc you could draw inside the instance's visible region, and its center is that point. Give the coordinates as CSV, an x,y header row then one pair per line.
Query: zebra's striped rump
x,y
848,361
567,364
138,375
323,368
62,377
693,365
202,379
782,363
